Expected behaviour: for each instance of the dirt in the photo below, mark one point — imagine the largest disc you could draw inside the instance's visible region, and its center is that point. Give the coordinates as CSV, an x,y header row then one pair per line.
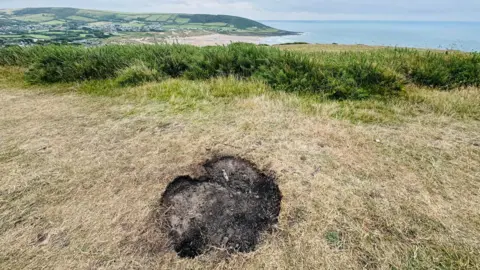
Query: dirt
x,y
227,208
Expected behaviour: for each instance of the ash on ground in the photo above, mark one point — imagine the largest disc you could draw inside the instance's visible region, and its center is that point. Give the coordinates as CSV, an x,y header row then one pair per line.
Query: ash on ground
x,y
227,208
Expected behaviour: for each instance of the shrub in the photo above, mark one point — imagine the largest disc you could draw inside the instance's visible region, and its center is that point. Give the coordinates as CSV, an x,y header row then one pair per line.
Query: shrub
x,y
446,70
175,60
59,65
240,60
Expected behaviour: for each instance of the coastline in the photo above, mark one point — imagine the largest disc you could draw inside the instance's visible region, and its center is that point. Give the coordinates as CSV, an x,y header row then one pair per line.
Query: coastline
x,y
196,38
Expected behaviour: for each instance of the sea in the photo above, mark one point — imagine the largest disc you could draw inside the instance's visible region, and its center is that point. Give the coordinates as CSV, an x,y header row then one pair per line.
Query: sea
x,y
464,36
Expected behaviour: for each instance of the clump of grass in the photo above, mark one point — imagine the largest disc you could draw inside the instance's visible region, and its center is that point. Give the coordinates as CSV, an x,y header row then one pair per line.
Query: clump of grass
x,y
442,257
12,76
460,103
181,95
136,74
334,239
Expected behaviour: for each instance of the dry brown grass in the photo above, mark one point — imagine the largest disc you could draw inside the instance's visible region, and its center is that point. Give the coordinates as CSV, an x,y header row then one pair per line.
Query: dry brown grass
x,y
80,176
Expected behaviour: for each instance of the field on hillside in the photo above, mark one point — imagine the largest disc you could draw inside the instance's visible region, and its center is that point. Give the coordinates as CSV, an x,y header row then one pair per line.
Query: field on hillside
x,y
376,152
99,25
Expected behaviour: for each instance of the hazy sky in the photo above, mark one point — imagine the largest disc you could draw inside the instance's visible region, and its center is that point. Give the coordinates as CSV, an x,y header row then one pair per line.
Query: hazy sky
x,y
451,10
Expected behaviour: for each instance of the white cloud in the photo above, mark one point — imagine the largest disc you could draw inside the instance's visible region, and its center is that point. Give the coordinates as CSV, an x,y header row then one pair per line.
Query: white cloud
x,y
283,9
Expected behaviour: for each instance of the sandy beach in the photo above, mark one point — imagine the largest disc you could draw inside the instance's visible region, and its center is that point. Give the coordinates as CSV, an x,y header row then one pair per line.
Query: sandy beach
x,y
213,39
196,39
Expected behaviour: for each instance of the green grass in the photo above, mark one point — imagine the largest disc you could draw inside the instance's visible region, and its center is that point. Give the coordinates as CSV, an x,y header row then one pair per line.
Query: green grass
x,y
12,77
54,22
282,70
182,20
129,17
346,75
216,24
162,17
185,26
184,95
56,33
187,95
80,18
136,74
134,82
441,257
40,36
35,18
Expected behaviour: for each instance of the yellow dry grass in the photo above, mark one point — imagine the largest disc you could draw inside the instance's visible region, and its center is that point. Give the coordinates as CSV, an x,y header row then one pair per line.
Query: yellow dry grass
x,y
80,175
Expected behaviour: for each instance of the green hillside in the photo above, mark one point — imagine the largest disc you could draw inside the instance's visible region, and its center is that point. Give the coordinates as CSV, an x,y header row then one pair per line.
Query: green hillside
x,y
76,24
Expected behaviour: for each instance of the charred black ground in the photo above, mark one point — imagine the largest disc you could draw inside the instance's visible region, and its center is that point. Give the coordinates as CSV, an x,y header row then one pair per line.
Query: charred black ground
x,y
226,209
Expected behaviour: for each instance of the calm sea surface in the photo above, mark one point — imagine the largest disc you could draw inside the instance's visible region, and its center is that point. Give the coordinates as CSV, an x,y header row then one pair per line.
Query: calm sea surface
x,y
463,36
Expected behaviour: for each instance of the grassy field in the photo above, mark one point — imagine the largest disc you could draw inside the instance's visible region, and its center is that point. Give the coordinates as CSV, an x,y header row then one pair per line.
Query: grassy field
x,y
39,36
186,20
159,18
54,22
35,17
376,183
80,18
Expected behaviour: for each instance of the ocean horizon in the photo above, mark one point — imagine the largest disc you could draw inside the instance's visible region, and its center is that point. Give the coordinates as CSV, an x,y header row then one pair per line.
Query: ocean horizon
x,y
461,35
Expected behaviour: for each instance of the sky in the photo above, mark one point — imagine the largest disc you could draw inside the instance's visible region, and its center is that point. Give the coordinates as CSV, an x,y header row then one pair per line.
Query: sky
x,y
403,10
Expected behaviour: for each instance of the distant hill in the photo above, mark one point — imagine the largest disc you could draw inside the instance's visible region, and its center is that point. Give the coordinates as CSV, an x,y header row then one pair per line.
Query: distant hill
x,y
73,24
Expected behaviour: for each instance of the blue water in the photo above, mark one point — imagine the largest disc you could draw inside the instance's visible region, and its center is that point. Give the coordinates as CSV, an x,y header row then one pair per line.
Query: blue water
x,y
463,36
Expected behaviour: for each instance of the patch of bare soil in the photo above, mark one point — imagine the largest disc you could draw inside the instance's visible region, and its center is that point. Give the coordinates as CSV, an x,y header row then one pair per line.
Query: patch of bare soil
x,y
225,209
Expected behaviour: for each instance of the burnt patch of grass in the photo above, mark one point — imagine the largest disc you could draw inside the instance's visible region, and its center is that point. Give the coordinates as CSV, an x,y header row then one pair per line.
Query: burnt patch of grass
x,y
227,208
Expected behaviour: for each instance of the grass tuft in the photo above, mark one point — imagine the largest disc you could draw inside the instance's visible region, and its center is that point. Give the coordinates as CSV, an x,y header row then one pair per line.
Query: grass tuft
x,y
136,74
